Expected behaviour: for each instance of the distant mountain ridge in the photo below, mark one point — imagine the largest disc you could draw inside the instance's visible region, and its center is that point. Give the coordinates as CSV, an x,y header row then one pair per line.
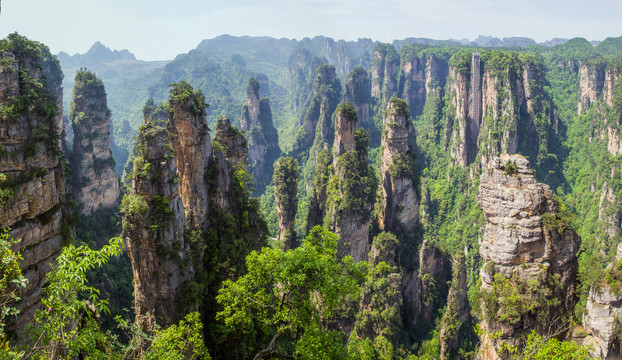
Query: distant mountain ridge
x,y
97,54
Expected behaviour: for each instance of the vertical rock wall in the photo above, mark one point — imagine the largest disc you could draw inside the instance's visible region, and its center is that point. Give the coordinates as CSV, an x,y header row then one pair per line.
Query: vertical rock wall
x,y
34,206
94,181
529,252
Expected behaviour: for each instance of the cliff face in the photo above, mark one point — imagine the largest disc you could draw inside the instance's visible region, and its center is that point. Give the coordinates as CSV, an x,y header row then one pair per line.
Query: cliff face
x,y
263,139
528,250
601,318
384,69
357,91
345,124
350,190
300,72
193,152
154,226
598,85
33,203
515,112
94,180
229,153
317,127
419,76
285,192
400,204
233,143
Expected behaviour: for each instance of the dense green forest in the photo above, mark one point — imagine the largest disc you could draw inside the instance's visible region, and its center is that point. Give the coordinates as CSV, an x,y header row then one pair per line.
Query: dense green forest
x,y
560,107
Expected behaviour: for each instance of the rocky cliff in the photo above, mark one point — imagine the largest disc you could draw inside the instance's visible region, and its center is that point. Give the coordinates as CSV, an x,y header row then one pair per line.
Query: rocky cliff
x,y
193,151
515,111
317,126
420,75
384,69
285,191
457,312
232,143
263,139
529,253
350,191
357,90
603,312
345,125
154,225
94,181
399,199
32,201
599,89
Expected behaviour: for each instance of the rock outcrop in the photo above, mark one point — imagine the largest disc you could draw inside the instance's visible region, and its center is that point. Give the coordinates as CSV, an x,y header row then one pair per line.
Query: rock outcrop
x,y
285,195
357,90
601,319
515,112
529,252
350,191
317,126
233,143
193,151
345,125
94,181
384,68
420,76
399,208
154,225
263,139
33,205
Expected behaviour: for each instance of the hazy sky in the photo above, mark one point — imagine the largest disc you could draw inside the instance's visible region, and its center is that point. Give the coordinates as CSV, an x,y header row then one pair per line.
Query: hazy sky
x,y
159,29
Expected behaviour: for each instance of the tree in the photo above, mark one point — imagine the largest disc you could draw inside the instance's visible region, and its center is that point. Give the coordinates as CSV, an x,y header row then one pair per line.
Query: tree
x,y
291,294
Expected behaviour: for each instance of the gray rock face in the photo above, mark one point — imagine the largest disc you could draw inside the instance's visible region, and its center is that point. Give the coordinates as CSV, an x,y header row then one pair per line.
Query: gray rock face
x,y
36,212
420,77
591,81
94,180
400,204
233,142
158,249
602,313
345,125
263,138
193,152
520,245
357,91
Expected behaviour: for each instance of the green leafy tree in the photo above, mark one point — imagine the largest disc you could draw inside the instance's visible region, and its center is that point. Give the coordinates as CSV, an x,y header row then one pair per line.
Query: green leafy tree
x,y
291,294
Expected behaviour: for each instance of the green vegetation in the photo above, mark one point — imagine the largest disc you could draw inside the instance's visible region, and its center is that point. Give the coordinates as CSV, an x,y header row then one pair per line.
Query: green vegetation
x,y
185,96
291,294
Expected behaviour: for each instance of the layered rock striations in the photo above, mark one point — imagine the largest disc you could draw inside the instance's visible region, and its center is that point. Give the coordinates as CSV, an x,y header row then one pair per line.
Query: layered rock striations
x,y
514,114
384,69
599,89
232,143
399,207
350,191
285,180
317,127
263,139
529,252
94,181
420,76
357,90
301,72
193,151
345,126
154,225
603,312
33,206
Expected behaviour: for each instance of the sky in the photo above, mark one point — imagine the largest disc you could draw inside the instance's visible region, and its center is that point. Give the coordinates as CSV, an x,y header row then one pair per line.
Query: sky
x,y
161,29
